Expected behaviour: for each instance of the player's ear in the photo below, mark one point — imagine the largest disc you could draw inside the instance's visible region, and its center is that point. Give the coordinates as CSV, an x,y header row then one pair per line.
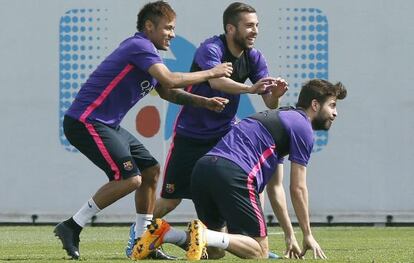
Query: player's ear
x,y
315,105
149,26
230,28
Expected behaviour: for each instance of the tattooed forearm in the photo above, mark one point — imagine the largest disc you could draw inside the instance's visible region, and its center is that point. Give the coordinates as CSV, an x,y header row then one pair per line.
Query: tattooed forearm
x,y
184,98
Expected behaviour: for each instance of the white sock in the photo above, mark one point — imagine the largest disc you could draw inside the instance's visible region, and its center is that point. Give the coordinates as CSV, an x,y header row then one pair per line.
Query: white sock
x,y
175,236
87,211
217,239
141,222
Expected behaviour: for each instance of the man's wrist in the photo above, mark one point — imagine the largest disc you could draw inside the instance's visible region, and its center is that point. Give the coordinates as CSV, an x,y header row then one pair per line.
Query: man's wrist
x,y
247,89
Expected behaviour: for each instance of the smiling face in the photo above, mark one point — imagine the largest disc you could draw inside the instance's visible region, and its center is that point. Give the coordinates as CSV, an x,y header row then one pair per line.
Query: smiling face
x,y
245,33
325,115
160,33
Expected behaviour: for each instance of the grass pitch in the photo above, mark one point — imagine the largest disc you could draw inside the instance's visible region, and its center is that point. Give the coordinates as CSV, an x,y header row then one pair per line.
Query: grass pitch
x,y
106,244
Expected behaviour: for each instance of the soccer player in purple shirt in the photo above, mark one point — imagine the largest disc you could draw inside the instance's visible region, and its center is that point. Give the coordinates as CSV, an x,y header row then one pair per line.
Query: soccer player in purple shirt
x,y
92,123
227,181
197,130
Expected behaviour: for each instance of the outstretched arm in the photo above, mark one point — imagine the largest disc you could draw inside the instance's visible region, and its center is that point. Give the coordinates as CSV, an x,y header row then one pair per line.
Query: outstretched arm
x,y
181,97
299,196
171,80
277,198
233,87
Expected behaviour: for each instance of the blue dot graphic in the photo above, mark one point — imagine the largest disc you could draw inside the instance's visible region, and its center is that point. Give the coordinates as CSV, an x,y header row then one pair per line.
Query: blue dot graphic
x,y
66,29
66,19
67,57
66,38
320,28
320,18
65,95
66,66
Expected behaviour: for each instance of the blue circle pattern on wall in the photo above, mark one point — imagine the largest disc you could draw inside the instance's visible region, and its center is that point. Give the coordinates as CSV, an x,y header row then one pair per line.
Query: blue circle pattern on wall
x,y
82,45
302,42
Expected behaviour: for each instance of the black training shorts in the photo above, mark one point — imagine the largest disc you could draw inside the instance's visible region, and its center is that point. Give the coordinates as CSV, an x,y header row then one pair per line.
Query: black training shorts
x,y
223,195
117,152
184,153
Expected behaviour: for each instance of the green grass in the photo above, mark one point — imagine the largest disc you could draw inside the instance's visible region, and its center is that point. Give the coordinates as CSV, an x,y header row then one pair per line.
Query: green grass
x,y
106,244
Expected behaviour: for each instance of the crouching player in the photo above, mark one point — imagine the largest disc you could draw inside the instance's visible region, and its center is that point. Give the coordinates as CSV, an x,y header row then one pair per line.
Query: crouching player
x,y
226,182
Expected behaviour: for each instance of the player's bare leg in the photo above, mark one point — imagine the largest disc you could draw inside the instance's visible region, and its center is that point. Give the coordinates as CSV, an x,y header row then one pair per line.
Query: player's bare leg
x,y
164,206
248,247
145,198
69,230
115,190
146,194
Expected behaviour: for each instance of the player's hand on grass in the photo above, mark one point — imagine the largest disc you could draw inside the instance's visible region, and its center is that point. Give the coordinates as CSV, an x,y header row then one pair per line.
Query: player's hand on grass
x,y
292,248
222,70
309,243
216,104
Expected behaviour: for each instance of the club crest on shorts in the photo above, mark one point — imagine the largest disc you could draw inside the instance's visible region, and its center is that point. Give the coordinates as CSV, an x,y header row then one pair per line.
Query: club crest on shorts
x,y
128,165
170,188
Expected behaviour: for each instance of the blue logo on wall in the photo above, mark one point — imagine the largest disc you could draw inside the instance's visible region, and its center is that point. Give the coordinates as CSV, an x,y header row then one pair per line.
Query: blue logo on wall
x,y
301,41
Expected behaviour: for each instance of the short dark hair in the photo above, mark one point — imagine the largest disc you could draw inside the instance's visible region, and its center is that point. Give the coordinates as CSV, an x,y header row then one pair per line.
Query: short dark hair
x,y
232,13
320,90
154,12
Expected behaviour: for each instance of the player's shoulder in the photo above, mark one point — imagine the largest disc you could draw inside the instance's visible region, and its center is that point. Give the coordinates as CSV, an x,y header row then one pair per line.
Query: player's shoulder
x,y
212,45
292,113
295,118
254,53
214,42
138,42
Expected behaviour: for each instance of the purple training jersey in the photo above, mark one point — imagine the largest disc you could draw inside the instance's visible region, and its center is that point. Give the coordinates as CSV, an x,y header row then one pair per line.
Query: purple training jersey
x,y
250,145
201,123
118,83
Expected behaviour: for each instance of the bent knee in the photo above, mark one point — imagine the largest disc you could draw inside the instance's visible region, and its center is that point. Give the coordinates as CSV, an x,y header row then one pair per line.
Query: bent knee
x,y
134,182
